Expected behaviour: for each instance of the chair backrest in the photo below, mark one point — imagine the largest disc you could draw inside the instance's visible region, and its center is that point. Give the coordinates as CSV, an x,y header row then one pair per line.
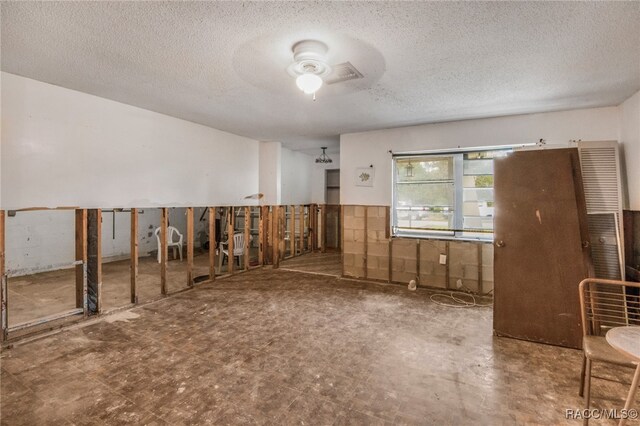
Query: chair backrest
x,y
238,244
605,304
171,230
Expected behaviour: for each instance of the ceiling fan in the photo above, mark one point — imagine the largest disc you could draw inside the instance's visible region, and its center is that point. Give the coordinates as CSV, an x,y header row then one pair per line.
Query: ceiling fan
x,y
311,69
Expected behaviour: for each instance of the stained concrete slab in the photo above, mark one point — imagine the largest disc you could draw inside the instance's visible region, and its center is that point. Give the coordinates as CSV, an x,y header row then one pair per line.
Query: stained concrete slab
x,y
279,347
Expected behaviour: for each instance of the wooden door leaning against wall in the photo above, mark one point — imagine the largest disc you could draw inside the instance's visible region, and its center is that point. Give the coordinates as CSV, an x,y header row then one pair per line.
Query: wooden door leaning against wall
x,y
541,246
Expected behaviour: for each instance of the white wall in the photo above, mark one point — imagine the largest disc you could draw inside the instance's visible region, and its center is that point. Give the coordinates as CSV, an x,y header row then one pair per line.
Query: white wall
x,y
270,172
630,139
66,148
318,179
372,148
297,170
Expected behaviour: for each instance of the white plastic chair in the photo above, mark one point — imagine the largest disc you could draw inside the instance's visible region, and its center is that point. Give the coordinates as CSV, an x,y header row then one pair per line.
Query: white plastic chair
x,y
170,241
238,248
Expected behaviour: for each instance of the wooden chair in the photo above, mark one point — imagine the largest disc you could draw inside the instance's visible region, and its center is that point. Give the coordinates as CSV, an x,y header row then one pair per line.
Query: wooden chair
x,y
605,304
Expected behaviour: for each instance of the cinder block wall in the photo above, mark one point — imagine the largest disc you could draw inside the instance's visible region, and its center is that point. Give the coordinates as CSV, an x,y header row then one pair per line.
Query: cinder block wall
x,y
367,244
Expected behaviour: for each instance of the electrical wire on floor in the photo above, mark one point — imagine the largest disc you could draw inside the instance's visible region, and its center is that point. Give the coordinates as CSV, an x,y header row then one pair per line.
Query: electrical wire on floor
x,y
459,299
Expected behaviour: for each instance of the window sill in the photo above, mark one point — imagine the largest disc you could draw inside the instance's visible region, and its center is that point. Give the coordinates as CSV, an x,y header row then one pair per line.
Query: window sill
x,y
443,237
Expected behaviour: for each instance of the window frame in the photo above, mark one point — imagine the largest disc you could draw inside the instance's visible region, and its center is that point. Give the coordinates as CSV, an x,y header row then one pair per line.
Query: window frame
x,y
458,231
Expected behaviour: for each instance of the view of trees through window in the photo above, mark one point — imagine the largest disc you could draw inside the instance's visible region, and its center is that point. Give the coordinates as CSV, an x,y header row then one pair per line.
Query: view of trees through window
x,y
445,194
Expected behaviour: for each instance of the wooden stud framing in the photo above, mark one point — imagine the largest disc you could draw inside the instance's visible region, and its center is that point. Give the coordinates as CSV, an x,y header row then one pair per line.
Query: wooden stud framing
x,y
231,259
3,284
341,225
309,228
189,246
292,231
134,255
94,260
323,225
301,230
274,236
81,256
281,228
164,250
212,243
247,236
262,234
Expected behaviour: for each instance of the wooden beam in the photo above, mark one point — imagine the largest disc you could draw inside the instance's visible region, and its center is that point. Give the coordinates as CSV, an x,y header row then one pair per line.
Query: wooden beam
x,y
282,228
94,261
341,228
309,228
231,260
134,255
323,230
164,250
261,235
3,284
292,231
189,246
247,236
212,243
275,213
301,230
81,256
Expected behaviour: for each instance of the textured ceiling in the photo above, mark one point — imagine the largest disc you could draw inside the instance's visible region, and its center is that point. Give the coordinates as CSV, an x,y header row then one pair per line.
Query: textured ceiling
x,y
223,64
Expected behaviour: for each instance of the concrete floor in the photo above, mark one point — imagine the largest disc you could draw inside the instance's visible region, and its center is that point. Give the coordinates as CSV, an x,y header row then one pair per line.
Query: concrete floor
x,y
49,293
279,347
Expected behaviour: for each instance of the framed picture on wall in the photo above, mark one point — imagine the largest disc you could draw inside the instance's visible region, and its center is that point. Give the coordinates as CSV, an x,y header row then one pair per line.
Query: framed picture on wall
x,y
365,176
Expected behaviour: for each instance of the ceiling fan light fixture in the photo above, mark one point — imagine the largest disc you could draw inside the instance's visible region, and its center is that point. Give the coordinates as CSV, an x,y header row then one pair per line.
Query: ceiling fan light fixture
x,y
324,158
309,83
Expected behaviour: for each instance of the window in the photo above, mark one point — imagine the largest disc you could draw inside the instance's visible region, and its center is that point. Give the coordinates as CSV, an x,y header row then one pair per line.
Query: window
x,y
444,195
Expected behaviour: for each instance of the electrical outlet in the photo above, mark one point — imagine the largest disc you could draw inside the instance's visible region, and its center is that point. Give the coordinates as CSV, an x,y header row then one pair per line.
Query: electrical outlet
x,y
443,259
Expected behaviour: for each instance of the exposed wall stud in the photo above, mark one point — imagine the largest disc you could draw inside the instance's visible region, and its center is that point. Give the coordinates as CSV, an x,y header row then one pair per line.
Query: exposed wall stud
x,y
341,227
262,234
301,230
164,250
292,231
134,255
418,260
247,236
94,260
81,257
323,226
212,243
231,260
189,246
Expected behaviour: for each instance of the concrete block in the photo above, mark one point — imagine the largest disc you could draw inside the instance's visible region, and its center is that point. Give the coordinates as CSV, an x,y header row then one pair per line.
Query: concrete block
x,y
359,211
433,281
376,224
378,249
358,235
349,211
348,235
348,259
